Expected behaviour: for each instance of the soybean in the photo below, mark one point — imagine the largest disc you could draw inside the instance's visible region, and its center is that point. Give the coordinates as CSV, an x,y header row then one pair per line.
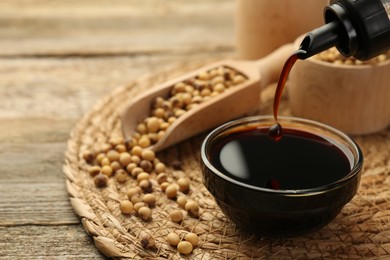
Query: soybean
x,y
176,216
126,207
184,247
173,239
192,238
145,213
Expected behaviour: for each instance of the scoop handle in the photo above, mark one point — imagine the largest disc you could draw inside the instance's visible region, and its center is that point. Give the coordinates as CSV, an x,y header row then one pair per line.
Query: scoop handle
x,y
271,65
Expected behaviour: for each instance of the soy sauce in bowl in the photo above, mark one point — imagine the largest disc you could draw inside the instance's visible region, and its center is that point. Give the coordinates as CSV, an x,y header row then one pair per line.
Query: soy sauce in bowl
x,y
299,160
283,183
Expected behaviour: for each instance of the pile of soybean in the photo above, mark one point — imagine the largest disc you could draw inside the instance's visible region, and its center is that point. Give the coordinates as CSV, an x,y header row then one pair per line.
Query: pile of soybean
x,y
132,161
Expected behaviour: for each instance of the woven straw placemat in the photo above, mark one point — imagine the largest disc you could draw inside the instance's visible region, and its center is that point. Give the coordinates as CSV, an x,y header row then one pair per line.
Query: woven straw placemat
x,y
361,230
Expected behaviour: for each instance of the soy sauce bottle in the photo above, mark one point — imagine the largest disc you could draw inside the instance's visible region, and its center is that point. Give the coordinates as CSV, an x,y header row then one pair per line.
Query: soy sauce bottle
x,y
358,28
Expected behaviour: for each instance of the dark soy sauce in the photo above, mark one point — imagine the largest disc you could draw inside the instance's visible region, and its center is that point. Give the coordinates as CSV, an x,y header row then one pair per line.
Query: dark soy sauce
x,y
300,160
276,130
283,78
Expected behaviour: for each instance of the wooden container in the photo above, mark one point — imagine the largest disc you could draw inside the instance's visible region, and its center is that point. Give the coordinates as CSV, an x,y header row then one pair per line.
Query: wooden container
x,y
353,98
261,26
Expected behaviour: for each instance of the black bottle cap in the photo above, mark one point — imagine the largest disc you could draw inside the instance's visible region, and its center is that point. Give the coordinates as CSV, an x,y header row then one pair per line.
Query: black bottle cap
x,y
371,24
359,28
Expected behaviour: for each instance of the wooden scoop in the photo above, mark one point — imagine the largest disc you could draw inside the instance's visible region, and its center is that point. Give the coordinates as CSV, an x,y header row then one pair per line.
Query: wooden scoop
x,y
232,103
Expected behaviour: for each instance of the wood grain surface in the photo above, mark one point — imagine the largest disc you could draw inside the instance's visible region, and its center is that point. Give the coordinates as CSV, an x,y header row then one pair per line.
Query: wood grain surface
x,y
57,59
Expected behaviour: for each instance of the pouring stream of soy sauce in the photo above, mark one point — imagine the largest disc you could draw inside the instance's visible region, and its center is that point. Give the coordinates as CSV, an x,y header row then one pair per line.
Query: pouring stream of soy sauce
x,y
276,131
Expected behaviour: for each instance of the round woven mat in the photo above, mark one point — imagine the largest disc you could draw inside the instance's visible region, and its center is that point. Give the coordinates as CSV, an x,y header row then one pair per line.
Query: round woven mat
x,y
361,230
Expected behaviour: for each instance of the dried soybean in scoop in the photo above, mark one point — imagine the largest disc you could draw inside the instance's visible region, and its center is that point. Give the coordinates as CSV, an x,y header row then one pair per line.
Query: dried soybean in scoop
x,y
299,160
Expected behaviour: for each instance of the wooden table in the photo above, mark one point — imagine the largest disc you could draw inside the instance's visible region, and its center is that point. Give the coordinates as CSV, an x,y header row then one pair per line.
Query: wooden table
x,y
57,59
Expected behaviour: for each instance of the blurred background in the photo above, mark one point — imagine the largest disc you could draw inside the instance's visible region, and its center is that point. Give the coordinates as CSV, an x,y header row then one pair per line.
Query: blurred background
x,y
76,46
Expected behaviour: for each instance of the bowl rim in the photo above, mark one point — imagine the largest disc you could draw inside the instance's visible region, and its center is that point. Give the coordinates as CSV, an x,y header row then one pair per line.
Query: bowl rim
x,y
356,167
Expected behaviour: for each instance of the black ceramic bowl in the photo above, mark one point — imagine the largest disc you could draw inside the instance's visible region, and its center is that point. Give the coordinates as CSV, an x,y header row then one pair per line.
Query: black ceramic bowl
x,y
280,212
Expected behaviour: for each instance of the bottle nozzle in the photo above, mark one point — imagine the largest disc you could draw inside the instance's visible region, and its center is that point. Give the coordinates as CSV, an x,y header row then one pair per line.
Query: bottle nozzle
x,y
320,39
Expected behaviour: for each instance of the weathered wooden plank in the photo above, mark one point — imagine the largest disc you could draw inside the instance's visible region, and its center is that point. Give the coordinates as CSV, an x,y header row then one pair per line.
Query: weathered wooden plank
x,y
35,204
32,185
46,242
118,27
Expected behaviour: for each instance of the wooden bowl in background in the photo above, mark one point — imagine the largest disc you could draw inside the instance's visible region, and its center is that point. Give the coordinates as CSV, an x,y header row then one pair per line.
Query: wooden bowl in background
x,y
352,98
